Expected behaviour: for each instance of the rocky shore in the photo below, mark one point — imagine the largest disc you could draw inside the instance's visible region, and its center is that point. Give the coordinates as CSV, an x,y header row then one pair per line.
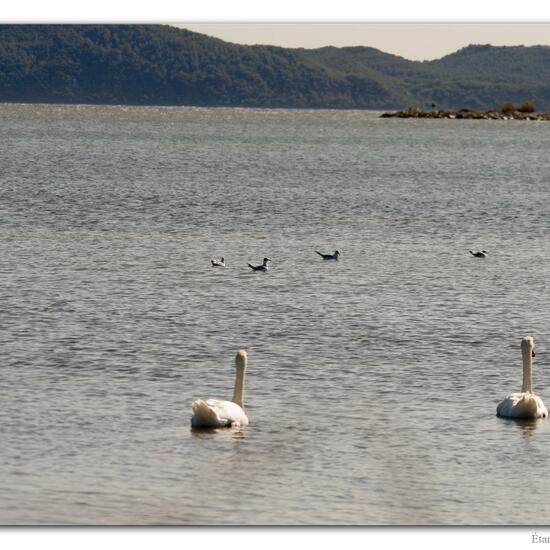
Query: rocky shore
x,y
467,114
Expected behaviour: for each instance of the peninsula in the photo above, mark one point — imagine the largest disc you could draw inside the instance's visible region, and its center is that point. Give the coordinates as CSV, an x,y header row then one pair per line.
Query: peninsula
x,y
469,114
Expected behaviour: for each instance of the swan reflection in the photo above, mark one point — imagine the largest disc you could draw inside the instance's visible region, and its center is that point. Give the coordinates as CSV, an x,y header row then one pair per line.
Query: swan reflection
x,y
210,433
528,426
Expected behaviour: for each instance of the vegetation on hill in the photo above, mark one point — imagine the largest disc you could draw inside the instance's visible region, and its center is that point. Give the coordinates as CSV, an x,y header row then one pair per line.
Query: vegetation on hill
x,y
163,65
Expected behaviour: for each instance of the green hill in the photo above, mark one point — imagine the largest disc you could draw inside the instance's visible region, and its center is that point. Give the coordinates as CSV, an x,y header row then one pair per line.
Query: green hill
x,y
163,65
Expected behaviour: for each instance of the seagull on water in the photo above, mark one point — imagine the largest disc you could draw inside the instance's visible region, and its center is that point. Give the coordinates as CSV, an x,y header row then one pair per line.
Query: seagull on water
x,y
329,256
479,253
218,263
262,267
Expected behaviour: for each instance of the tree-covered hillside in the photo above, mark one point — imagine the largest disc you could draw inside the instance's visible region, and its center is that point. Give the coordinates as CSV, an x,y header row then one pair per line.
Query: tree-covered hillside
x,y
163,65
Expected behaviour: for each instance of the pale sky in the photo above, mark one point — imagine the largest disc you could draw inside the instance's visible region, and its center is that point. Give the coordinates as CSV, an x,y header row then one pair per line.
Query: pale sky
x,y
419,29
418,41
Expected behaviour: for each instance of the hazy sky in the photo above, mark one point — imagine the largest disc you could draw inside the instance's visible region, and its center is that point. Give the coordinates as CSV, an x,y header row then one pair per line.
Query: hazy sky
x,y
418,41
419,29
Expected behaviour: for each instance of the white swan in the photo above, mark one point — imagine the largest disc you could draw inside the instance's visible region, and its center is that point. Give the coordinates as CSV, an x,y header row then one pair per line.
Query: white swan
x,y
525,404
215,413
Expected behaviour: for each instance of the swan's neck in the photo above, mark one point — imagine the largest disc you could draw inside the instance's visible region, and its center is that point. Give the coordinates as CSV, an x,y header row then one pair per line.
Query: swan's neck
x,y
527,385
238,393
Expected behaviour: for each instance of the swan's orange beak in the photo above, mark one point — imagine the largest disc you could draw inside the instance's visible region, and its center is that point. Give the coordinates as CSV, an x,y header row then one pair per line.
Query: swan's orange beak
x,y
533,353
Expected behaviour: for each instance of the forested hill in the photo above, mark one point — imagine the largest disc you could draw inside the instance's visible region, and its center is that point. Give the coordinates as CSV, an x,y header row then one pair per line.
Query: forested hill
x,y
163,65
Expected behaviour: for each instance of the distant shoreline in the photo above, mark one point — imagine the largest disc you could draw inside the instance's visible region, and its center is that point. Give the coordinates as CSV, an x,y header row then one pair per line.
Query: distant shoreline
x,y
412,112
468,114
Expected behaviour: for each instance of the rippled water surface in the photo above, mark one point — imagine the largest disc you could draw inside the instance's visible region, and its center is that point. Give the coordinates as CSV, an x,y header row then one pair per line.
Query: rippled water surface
x,y
372,382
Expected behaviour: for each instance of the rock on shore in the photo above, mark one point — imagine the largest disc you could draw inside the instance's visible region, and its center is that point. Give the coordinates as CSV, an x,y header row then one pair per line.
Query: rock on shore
x,y
467,114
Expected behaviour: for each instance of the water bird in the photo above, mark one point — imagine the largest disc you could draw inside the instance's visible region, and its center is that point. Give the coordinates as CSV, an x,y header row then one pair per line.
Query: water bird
x,y
525,404
216,413
329,256
218,263
262,267
479,253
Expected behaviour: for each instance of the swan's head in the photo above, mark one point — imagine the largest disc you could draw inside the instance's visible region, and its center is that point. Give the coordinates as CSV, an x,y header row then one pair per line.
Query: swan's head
x,y
241,359
527,346
266,260
336,253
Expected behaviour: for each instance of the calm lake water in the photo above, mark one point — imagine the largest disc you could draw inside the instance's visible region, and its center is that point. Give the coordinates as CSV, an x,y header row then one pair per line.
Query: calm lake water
x,y
372,382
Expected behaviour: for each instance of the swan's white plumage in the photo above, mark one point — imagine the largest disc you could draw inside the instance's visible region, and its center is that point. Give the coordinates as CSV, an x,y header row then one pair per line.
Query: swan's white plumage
x,y
524,404
217,413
